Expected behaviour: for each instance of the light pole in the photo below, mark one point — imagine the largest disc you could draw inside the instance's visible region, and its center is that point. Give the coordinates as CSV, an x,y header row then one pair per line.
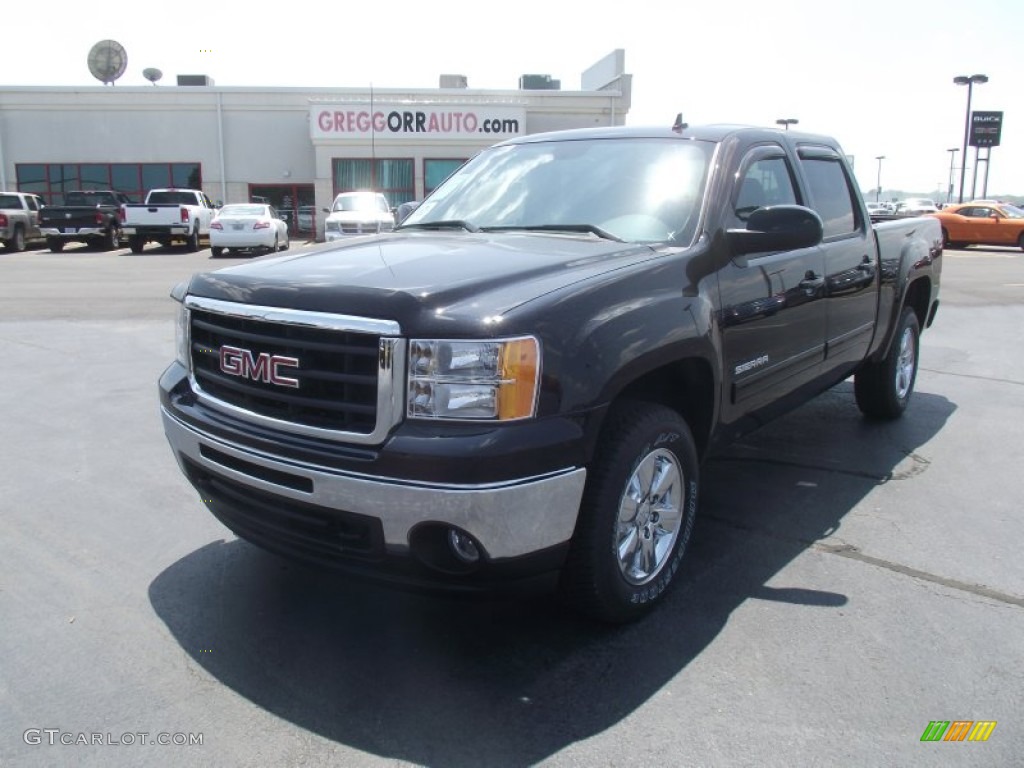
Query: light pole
x,y
969,81
878,185
785,122
952,156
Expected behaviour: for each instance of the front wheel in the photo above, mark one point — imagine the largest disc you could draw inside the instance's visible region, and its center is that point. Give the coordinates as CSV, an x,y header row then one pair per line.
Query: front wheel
x,y
636,516
883,389
1021,242
951,244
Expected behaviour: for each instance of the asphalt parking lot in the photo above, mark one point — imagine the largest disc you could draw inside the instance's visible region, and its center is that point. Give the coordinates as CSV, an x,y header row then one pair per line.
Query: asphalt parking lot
x,y
848,582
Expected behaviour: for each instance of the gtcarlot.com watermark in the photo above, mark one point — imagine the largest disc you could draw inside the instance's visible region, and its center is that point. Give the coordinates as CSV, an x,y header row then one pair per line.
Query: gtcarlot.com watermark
x,y
55,737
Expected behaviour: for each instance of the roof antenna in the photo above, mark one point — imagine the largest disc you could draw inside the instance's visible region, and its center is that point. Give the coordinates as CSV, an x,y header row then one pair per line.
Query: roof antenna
x,y
373,147
679,126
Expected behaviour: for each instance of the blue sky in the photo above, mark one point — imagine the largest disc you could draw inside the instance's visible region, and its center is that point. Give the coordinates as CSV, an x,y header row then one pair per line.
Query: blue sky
x,y
877,76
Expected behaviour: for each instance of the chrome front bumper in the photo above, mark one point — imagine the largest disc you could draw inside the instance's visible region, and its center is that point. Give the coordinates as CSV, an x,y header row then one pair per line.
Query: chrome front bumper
x,y
508,519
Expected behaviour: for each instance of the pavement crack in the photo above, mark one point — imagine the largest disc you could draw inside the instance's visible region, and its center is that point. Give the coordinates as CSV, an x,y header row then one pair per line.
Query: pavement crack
x,y
996,379
853,553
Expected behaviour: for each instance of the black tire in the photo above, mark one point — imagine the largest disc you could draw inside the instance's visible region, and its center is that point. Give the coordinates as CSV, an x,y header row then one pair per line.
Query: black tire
x,y
952,245
1021,242
606,575
111,239
17,241
136,243
55,244
216,251
192,241
287,244
277,245
883,389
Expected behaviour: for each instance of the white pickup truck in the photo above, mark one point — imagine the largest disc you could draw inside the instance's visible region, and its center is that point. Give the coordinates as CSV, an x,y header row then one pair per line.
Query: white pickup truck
x,y
168,216
19,219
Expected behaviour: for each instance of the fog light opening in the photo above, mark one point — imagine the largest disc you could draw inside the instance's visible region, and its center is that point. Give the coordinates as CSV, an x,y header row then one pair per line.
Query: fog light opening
x,y
463,546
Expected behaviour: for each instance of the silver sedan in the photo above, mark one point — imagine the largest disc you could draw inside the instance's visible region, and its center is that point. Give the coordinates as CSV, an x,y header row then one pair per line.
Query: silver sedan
x,y
248,227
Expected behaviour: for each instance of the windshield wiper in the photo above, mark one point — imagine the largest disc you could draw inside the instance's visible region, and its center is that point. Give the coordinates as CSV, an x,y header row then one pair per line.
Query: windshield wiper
x,y
443,224
589,228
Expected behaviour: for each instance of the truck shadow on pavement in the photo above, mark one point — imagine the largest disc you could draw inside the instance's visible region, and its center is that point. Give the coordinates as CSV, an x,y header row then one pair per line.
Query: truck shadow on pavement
x,y
456,682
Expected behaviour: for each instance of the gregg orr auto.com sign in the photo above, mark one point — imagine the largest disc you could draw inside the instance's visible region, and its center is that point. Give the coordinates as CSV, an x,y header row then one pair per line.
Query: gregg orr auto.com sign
x,y
417,122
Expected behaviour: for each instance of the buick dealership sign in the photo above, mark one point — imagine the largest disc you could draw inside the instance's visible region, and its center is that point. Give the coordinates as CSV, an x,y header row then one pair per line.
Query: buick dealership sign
x,y
418,122
986,128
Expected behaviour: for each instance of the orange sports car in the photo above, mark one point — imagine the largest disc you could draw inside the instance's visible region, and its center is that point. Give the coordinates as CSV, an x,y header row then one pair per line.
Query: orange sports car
x,y
982,222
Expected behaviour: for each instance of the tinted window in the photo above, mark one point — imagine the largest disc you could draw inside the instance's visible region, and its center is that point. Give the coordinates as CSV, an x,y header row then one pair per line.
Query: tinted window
x,y
764,182
831,195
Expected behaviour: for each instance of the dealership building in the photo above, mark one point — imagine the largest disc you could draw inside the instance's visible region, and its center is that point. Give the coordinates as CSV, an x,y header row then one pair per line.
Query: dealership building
x,y
295,147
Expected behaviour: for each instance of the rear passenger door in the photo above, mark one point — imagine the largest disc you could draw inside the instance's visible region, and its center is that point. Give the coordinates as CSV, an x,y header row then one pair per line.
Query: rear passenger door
x,y
851,265
771,315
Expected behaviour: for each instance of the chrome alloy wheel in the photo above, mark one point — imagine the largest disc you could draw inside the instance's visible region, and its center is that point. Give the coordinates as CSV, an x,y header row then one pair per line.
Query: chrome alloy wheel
x,y
650,512
906,363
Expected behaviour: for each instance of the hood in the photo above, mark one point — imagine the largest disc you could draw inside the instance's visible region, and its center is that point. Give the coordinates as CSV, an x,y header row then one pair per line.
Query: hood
x,y
423,278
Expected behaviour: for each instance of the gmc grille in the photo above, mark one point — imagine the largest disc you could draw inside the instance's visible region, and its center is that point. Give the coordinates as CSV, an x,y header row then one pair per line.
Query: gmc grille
x,y
337,374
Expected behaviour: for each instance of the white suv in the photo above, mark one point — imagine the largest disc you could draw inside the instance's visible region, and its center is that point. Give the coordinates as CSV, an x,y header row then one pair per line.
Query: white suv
x,y
358,213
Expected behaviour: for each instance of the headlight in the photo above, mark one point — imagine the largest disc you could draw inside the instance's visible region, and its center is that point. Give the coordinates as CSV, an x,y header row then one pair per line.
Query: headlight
x,y
181,337
489,380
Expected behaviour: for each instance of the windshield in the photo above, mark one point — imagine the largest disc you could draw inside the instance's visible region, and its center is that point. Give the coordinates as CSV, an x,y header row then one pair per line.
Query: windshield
x,y
361,201
636,190
89,198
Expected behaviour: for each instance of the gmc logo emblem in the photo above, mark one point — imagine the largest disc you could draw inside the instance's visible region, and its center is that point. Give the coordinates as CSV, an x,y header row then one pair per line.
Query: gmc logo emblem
x,y
264,367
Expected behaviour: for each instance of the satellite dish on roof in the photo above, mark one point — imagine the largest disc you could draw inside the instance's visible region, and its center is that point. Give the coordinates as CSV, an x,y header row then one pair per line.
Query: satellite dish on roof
x,y
107,61
152,74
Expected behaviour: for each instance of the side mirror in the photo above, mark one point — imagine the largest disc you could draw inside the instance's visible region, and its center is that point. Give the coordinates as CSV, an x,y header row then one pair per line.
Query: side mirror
x,y
777,228
326,210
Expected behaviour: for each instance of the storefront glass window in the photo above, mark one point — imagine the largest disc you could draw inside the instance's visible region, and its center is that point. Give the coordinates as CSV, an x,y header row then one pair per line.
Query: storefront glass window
x,y
393,177
95,176
436,171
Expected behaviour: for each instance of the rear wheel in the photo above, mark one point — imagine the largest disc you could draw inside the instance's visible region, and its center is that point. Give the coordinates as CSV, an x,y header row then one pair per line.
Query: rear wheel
x,y
111,239
17,241
192,241
136,243
636,516
1021,242
216,251
55,244
883,389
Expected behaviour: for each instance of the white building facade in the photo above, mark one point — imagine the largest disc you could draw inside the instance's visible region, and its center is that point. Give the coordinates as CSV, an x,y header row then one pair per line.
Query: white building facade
x,y
295,147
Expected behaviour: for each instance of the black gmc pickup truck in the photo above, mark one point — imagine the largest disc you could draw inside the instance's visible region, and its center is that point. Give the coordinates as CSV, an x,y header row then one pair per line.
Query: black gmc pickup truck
x,y
521,381
90,216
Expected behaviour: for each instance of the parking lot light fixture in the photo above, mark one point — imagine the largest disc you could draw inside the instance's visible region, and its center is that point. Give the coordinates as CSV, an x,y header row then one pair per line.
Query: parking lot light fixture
x,y
969,81
785,122
952,158
878,182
